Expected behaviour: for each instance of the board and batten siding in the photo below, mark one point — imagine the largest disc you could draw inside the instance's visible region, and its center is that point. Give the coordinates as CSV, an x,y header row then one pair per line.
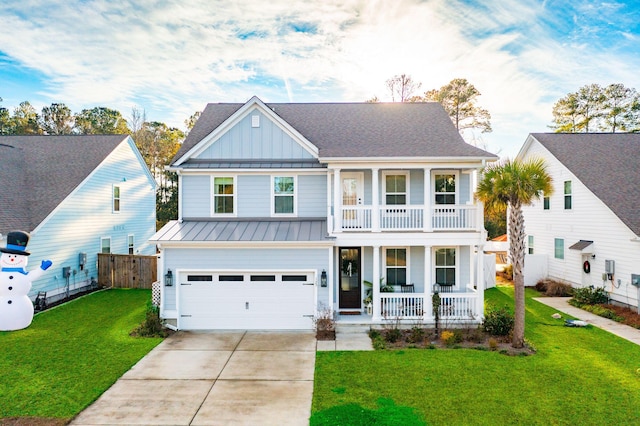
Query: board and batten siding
x,y
267,141
243,259
589,219
196,195
85,216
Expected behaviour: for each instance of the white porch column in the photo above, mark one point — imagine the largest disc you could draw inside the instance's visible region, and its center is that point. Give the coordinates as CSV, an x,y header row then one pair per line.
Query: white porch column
x,y
480,281
337,201
376,284
330,276
330,215
375,201
428,285
427,201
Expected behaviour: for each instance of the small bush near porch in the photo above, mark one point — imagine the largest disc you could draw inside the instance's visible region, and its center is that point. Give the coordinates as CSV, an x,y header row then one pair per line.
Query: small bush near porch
x,y
577,376
69,356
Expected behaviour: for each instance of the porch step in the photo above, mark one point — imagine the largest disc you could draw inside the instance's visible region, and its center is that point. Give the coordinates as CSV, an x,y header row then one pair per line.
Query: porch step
x,y
352,328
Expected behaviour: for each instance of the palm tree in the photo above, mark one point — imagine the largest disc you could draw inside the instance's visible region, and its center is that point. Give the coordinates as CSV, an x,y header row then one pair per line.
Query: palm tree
x,y
514,184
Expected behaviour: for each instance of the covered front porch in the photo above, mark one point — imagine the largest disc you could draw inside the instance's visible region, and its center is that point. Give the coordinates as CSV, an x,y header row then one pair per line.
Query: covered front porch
x,y
407,279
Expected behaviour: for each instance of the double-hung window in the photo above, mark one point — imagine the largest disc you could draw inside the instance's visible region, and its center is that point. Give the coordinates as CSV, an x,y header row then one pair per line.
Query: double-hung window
x,y
223,195
445,188
131,243
284,195
530,244
567,195
445,266
105,245
116,198
396,188
396,264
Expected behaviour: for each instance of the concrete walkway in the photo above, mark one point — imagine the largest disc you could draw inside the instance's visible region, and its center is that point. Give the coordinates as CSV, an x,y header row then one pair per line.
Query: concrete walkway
x,y
562,304
214,378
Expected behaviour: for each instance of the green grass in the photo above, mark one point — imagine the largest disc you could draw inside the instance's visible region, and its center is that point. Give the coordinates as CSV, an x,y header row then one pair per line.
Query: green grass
x,y
71,354
582,376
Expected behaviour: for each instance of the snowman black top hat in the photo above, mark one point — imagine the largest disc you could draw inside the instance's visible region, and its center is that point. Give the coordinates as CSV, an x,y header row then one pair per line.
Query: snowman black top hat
x,y
17,243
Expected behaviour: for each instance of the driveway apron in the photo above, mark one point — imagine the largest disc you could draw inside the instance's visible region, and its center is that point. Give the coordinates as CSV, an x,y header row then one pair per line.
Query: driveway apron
x,y
214,378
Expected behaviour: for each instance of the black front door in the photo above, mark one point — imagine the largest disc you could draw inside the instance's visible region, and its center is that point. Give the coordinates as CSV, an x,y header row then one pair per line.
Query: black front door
x,y
350,287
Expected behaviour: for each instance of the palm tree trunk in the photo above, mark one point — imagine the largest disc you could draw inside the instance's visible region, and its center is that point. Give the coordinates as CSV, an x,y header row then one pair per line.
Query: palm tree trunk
x,y
517,251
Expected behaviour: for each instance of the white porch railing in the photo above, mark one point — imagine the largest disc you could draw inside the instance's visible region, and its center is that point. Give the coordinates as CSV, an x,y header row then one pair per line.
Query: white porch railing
x,y
402,305
409,217
418,306
457,306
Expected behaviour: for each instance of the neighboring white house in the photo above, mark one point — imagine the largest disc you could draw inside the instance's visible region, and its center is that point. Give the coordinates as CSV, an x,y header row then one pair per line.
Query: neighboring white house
x,y
77,196
286,209
589,228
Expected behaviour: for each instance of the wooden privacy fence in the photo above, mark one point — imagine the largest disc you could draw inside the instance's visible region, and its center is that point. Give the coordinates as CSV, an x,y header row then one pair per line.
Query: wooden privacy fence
x,y
126,270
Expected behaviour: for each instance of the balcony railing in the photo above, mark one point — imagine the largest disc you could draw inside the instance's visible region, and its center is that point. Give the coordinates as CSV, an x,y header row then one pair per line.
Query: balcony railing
x,y
409,218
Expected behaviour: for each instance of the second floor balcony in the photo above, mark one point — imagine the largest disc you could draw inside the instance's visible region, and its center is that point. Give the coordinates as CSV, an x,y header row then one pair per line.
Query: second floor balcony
x,y
407,218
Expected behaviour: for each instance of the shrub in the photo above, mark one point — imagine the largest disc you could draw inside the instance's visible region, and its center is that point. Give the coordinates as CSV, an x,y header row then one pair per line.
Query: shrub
x,y
448,337
379,343
508,271
541,286
498,321
152,325
416,335
558,289
590,295
392,335
493,343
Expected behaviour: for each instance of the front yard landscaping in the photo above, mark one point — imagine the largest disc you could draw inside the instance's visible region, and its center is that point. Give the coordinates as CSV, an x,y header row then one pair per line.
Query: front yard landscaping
x,y
69,356
583,376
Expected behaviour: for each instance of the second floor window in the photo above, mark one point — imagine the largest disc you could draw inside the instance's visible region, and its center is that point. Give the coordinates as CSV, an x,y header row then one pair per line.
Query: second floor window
x,y
567,195
223,195
445,190
395,187
530,244
546,203
284,195
116,198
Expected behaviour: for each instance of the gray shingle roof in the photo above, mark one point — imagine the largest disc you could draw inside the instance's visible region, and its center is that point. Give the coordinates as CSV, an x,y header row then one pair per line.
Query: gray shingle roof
x,y
38,172
249,230
607,163
358,129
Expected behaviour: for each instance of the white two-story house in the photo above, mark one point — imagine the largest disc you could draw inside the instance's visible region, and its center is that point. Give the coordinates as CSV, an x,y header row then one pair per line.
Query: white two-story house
x,y
588,230
288,209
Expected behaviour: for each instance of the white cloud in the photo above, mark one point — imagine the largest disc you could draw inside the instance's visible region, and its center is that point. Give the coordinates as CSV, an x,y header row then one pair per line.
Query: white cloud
x,y
171,57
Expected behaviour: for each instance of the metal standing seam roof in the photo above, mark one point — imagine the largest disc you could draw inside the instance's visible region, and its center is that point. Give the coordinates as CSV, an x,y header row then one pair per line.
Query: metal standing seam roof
x,y
357,130
243,230
606,163
252,164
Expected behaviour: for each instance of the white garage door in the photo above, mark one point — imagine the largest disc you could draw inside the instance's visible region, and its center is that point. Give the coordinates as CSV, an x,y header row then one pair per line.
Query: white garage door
x,y
246,300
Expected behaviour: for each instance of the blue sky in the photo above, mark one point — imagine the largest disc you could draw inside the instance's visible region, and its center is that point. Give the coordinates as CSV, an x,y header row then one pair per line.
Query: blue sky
x,y
171,57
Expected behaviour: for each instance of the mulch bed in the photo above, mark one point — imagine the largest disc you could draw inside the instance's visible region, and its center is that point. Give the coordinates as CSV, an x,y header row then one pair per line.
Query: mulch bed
x,y
472,338
631,316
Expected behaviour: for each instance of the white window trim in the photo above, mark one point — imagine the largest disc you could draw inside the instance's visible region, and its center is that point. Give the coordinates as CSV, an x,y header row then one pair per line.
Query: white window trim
x,y
434,173
235,195
531,244
564,249
435,266
386,173
131,247
110,246
113,198
384,262
570,195
273,196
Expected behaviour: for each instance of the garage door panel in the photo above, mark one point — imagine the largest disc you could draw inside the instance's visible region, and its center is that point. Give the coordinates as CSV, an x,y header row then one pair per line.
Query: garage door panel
x,y
246,305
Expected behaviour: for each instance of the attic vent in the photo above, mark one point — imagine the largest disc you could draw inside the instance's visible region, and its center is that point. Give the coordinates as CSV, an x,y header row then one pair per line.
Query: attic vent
x,y
255,121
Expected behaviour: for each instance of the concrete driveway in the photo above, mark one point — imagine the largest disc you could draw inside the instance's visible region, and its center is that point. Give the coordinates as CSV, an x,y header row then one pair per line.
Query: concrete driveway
x,y
214,378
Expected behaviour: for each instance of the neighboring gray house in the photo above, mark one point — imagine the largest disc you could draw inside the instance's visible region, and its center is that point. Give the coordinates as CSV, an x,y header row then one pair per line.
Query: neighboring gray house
x,y
77,196
589,228
286,209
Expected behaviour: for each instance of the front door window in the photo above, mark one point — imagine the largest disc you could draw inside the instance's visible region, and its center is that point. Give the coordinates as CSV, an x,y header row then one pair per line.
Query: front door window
x,y
350,287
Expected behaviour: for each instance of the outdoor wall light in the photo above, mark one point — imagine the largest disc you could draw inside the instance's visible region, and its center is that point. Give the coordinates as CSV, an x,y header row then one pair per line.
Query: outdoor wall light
x,y
168,278
436,288
323,278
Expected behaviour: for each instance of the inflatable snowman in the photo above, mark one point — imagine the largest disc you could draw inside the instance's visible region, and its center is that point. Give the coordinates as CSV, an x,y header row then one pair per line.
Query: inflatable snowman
x,y
16,309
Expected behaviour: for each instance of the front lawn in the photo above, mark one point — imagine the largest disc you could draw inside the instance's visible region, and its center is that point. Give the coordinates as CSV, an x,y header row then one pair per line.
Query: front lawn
x,y
580,376
71,354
